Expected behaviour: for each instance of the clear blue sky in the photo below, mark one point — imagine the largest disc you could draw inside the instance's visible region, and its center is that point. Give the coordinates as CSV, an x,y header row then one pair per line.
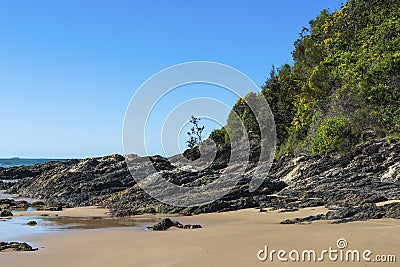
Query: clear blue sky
x,y
68,69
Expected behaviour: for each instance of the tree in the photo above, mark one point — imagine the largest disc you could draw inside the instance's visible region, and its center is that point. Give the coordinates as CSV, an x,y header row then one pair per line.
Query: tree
x,y
346,64
195,133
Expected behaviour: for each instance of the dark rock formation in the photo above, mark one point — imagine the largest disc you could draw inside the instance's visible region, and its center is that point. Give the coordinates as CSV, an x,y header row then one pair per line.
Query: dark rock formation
x,y
192,226
6,213
167,223
32,223
39,205
307,219
5,186
367,175
356,213
20,172
77,184
353,180
16,246
11,204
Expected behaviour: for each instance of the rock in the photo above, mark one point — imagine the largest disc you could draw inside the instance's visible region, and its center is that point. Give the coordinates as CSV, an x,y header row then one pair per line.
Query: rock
x,y
375,199
32,223
6,213
192,226
349,214
306,219
11,204
21,172
392,175
5,186
165,224
38,204
16,246
58,208
290,209
74,183
351,183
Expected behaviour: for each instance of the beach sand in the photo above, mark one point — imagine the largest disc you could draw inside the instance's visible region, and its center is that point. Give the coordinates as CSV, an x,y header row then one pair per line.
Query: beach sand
x,y
227,239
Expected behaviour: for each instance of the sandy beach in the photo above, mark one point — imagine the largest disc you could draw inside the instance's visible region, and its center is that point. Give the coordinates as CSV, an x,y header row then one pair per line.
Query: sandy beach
x,y
227,239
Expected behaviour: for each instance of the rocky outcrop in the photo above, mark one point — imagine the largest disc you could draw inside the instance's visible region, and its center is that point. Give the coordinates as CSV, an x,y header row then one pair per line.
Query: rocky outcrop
x,y
393,174
77,184
351,180
5,186
356,213
6,213
11,204
358,179
21,172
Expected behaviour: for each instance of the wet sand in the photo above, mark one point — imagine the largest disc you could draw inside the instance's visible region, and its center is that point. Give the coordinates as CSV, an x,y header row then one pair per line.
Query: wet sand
x,y
227,239
91,211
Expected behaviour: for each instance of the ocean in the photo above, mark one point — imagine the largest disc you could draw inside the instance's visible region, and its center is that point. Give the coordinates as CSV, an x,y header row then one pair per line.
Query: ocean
x,y
12,162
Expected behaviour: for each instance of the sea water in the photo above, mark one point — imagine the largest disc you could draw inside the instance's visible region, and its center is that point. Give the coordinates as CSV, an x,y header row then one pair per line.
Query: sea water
x,y
16,228
12,162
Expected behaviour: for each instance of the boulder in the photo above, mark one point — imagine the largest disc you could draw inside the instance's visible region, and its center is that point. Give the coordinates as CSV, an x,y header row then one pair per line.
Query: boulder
x,y
32,223
16,246
6,213
165,224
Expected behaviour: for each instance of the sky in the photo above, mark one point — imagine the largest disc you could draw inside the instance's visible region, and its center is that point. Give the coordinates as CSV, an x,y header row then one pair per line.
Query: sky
x,y
69,69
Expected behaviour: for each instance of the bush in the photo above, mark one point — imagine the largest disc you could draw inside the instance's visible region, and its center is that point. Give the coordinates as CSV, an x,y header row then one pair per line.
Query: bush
x,y
219,136
333,135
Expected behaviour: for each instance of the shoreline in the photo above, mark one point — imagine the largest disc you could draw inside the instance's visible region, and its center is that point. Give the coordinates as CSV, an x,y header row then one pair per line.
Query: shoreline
x,y
226,239
88,211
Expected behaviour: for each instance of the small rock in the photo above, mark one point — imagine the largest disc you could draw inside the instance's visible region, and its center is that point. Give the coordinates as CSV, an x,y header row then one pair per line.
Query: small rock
x,y
192,226
38,204
16,246
165,224
58,208
32,223
308,219
6,213
290,209
168,223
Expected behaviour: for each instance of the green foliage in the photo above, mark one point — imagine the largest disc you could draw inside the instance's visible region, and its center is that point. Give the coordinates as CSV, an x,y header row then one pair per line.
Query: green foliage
x,y
195,133
346,63
280,91
332,136
241,121
220,136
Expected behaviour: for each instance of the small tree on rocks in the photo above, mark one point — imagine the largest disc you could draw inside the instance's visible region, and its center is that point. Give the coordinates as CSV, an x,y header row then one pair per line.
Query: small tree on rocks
x,y
195,133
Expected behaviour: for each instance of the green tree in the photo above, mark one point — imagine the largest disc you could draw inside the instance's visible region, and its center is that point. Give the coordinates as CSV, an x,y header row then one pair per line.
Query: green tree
x,y
346,64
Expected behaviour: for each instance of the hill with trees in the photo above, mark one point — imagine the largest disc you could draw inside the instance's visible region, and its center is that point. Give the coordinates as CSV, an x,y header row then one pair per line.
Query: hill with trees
x,y
344,86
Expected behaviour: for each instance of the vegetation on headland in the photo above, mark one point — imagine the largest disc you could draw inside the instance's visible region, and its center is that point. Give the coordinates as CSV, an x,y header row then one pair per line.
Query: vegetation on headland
x,y
344,85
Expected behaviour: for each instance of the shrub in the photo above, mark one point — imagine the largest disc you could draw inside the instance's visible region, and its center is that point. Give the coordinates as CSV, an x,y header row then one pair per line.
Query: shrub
x,y
333,135
219,136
